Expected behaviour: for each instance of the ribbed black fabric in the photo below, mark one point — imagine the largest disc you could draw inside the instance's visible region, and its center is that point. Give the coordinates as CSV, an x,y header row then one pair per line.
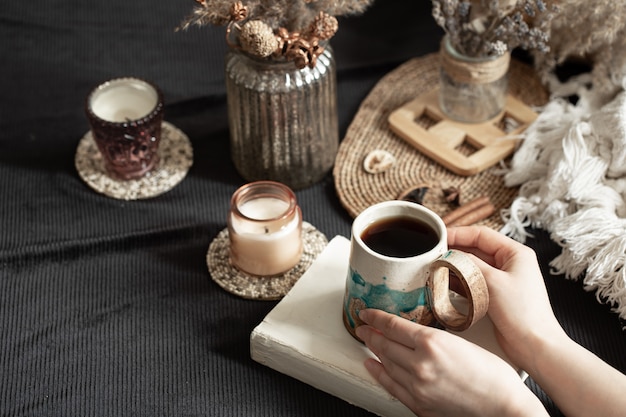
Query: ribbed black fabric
x,y
106,306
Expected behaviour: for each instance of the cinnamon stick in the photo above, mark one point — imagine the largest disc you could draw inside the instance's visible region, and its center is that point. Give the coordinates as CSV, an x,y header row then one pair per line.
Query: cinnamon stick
x,y
475,216
465,209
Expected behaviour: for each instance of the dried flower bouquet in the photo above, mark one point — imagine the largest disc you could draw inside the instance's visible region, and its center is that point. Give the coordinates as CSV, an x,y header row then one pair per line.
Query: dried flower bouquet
x,y
593,31
479,28
292,29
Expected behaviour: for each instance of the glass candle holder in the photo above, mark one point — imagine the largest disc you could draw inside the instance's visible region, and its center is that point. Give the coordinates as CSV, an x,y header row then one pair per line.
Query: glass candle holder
x,y
265,228
125,115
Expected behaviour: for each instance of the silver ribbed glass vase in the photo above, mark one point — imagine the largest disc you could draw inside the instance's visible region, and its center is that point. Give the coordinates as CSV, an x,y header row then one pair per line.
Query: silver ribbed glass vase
x,y
283,120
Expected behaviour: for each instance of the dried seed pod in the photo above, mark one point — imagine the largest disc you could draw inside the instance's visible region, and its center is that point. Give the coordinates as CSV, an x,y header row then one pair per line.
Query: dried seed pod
x,y
298,53
258,39
238,11
452,195
415,194
378,161
324,26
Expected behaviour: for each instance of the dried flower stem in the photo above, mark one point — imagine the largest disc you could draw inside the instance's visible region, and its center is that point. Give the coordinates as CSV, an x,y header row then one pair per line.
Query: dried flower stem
x,y
295,15
493,27
289,28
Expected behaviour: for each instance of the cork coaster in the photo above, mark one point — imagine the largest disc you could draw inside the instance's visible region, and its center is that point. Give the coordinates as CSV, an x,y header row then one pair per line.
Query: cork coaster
x,y
175,160
357,189
254,287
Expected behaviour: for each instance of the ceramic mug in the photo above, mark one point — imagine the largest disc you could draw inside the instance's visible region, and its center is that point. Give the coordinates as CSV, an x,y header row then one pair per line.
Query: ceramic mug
x,y
400,263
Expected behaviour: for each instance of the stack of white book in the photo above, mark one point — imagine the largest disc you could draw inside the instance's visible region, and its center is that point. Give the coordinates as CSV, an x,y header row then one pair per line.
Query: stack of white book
x,y
304,337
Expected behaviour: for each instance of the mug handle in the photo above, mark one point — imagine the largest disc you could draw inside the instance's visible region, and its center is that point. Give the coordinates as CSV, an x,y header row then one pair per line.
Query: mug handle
x,y
473,283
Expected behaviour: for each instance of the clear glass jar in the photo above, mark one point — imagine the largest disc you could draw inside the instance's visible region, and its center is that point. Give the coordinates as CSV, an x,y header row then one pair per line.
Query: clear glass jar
x,y
283,120
265,228
472,89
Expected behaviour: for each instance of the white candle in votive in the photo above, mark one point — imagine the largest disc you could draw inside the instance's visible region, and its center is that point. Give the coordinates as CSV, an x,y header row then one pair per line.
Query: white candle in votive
x,y
123,100
267,244
263,208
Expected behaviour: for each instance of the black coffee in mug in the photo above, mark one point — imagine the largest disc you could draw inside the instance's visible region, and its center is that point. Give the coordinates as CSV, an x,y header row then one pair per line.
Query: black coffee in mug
x,y
400,237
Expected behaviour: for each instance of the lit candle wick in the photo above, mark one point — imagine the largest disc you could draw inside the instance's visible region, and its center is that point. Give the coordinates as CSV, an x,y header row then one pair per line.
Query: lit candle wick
x,y
263,209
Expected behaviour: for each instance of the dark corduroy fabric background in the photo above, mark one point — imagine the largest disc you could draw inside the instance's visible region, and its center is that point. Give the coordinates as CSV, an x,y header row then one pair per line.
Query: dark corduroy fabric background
x,y
106,306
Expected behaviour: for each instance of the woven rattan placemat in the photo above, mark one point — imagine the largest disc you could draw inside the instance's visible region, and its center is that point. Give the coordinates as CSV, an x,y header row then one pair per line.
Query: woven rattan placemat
x,y
370,130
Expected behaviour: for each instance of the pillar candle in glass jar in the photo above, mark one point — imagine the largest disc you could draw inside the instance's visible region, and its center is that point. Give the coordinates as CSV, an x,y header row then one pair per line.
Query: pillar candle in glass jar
x,y
265,228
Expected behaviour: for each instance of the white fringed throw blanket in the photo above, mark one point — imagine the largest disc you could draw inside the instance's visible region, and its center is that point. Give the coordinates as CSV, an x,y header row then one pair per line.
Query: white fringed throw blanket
x,y
571,167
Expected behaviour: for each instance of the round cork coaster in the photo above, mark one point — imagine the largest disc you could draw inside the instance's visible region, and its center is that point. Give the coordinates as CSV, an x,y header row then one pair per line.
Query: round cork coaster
x,y
254,287
175,160
357,189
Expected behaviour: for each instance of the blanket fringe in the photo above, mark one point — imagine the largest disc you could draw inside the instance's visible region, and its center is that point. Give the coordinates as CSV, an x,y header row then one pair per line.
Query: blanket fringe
x,y
571,169
594,248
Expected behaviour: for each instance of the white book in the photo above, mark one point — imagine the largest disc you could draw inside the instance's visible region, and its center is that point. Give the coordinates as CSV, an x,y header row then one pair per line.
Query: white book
x,y
303,336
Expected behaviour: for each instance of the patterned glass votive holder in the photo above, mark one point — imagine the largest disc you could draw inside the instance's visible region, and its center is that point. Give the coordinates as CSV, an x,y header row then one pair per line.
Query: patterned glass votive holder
x,y
125,116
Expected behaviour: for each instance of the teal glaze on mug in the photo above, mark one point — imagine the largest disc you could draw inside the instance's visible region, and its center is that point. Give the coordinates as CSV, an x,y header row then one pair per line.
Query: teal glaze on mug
x,y
401,303
394,284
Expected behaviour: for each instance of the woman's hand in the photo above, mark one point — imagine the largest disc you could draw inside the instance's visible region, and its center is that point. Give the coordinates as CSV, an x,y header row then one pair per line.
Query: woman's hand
x,y
518,301
579,382
436,373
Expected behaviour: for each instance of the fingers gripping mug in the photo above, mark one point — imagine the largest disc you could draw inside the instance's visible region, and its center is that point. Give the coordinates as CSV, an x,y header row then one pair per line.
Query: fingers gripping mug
x,y
400,263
